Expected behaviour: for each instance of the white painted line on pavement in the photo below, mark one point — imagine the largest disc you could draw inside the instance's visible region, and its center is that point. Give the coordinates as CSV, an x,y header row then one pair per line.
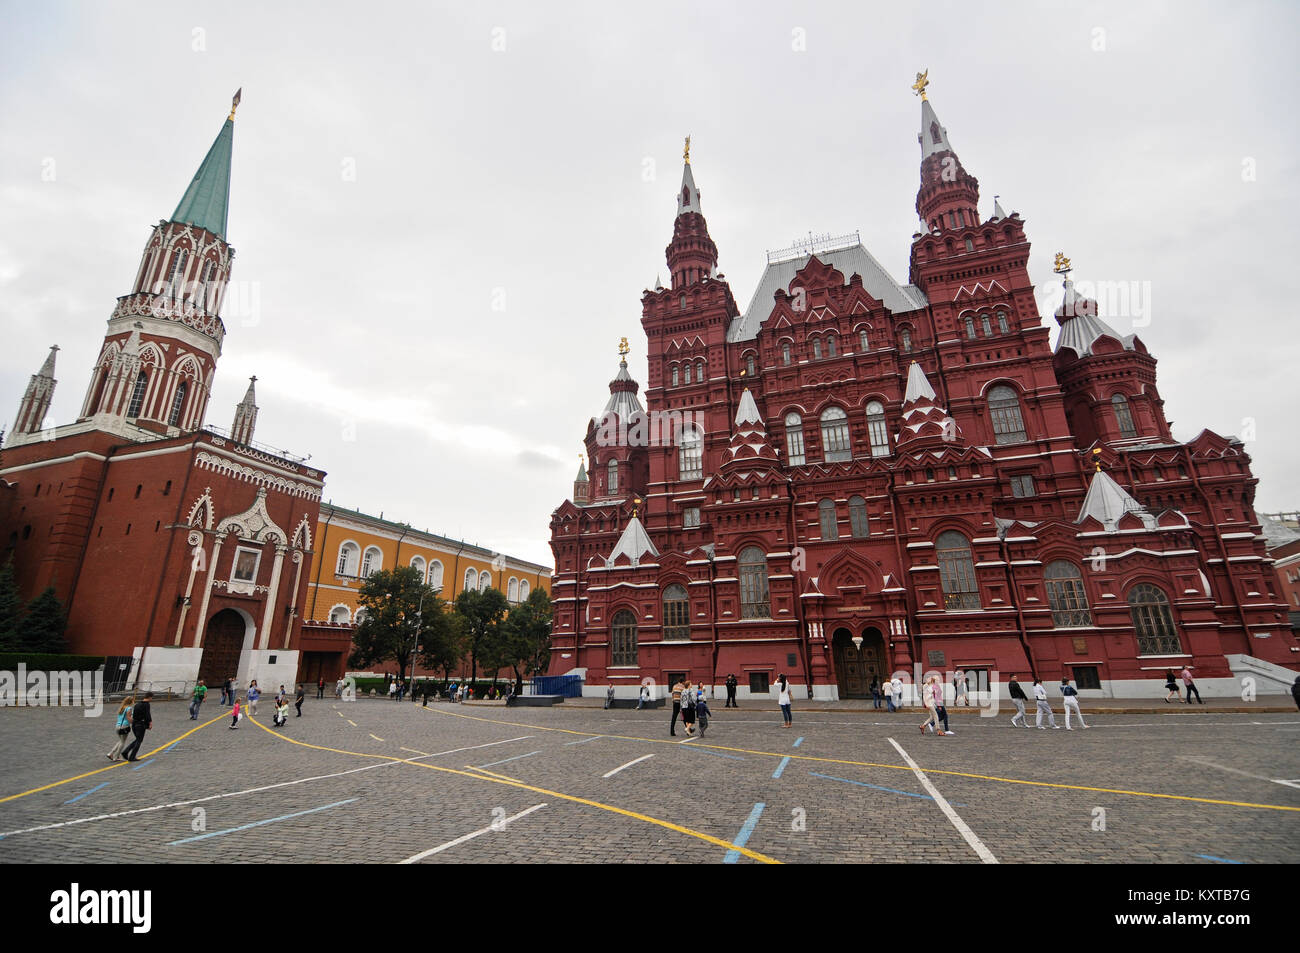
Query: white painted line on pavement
x,y
985,854
504,760
265,787
269,820
495,826
582,741
610,774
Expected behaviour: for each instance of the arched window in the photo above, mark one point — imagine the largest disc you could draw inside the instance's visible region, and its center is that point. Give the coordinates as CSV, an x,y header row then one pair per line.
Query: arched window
x,y
340,614
677,613
349,553
1066,595
877,429
690,454
1153,621
753,584
523,590
484,581
956,571
835,435
970,326
622,639
826,513
750,367
1123,416
512,590
817,349
435,574
785,353
417,563
906,336
471,580
676,375
858,525
611,482
137,395
970,245
832,345
794,439
361,616
984,323
178,404
863,340
1004,409
935,135
686,373
1003,327
371,561
699,372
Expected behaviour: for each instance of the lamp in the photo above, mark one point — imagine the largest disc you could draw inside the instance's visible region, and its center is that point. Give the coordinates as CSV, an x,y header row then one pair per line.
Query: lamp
x,y
857,642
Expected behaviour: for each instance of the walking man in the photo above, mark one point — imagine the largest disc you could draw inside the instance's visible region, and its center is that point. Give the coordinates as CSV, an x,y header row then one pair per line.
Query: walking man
x,y
298,699
1190,687
1071,702
338,688
200,693
1018,696
678,687
227,692
141,721
1040,695
875,692
320,687
731,692
644,697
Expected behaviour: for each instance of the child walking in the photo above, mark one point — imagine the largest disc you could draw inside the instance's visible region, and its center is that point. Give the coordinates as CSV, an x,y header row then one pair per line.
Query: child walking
x,y
234,722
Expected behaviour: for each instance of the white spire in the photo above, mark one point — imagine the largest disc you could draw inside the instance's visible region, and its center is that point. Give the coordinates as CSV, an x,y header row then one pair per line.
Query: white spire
x,y
918,385
748,411
1107,502
998,214
688,196
933,137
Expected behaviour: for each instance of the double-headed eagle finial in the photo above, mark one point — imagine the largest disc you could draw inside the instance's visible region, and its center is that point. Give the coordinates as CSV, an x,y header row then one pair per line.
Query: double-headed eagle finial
x,y
922,81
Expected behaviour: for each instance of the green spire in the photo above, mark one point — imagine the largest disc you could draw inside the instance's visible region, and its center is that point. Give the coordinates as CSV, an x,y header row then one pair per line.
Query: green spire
x,y
206,202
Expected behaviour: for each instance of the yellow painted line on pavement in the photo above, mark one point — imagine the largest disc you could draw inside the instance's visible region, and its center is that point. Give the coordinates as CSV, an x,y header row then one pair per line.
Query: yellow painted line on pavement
x,y
377,738
352,723
481,775
893,767
110,767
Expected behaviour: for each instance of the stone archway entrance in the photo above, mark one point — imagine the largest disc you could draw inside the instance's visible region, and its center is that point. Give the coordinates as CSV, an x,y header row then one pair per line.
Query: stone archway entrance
x,y
223,641
854,667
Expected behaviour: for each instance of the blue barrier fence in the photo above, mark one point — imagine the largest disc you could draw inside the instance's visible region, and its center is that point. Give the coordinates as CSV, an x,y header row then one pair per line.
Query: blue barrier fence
x,y
569,686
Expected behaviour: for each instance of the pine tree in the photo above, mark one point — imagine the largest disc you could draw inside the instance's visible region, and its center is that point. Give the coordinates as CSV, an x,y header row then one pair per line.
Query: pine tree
x,y
11,608
42,629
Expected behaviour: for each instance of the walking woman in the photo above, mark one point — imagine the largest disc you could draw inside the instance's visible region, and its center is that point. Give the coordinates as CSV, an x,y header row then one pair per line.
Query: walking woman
x,y
1171,686
123,727
688,708
251,697
932,696
783,699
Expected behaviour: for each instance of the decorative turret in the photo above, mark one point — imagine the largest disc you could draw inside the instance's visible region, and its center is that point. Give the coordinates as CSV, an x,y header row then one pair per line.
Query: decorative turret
x,y
634,545
1107,502
750,444
36,401
623,390
241,431
581,483
949,195
691,255
924,421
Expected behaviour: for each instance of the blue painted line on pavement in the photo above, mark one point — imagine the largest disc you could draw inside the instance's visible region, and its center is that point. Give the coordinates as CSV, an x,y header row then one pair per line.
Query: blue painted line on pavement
x,y
877,787
137,767
269,820
743,837
716,754
84,793
582,741
798,741
515,758
1219,860
780,767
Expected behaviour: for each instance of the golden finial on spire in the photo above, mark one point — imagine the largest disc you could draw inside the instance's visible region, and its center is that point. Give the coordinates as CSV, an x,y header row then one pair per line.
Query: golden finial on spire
x,y
636,503
686,153
1096,458
922,81
234,102
622,347
1062,264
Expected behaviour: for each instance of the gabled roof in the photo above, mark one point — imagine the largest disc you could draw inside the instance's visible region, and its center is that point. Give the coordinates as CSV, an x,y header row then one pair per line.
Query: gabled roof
x,y
634,544
1107,502
206,203
855,259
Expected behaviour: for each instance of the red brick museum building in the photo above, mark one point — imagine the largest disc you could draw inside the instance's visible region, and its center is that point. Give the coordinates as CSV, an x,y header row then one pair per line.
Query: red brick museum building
x,y
180,551
876,476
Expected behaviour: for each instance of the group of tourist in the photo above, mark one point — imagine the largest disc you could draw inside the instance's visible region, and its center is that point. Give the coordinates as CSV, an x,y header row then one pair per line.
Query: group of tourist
x,y
691,703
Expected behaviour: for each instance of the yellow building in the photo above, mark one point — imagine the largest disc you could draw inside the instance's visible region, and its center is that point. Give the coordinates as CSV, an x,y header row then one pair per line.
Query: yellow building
x,y
350,545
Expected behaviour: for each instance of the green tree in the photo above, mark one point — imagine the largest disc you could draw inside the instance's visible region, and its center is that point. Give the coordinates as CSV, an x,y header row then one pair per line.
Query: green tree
x,y
527,631
401,612
481,614
11,608
43,626
444,644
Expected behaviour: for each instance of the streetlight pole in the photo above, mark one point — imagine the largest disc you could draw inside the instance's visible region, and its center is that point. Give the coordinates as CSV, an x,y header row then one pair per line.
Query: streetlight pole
x,y
419,625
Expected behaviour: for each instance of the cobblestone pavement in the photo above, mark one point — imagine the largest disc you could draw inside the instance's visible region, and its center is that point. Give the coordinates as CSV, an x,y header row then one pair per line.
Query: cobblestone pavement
x,y
374,781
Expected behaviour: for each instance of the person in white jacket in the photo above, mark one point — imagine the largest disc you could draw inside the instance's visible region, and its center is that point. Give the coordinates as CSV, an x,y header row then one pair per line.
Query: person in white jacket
x,y
1071,702
1040,695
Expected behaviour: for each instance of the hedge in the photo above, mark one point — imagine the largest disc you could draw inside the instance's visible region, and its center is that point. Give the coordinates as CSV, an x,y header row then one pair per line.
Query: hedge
x,y
48,662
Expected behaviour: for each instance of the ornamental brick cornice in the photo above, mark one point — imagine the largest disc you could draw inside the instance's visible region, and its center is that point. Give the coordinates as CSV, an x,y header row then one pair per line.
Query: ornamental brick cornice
x,y
144,304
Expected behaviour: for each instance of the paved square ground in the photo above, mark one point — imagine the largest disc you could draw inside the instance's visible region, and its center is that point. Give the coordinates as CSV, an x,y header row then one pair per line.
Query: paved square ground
x,y
378,781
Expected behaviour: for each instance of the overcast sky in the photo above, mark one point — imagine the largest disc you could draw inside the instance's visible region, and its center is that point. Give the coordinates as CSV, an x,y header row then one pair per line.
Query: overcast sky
x,y
445,214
